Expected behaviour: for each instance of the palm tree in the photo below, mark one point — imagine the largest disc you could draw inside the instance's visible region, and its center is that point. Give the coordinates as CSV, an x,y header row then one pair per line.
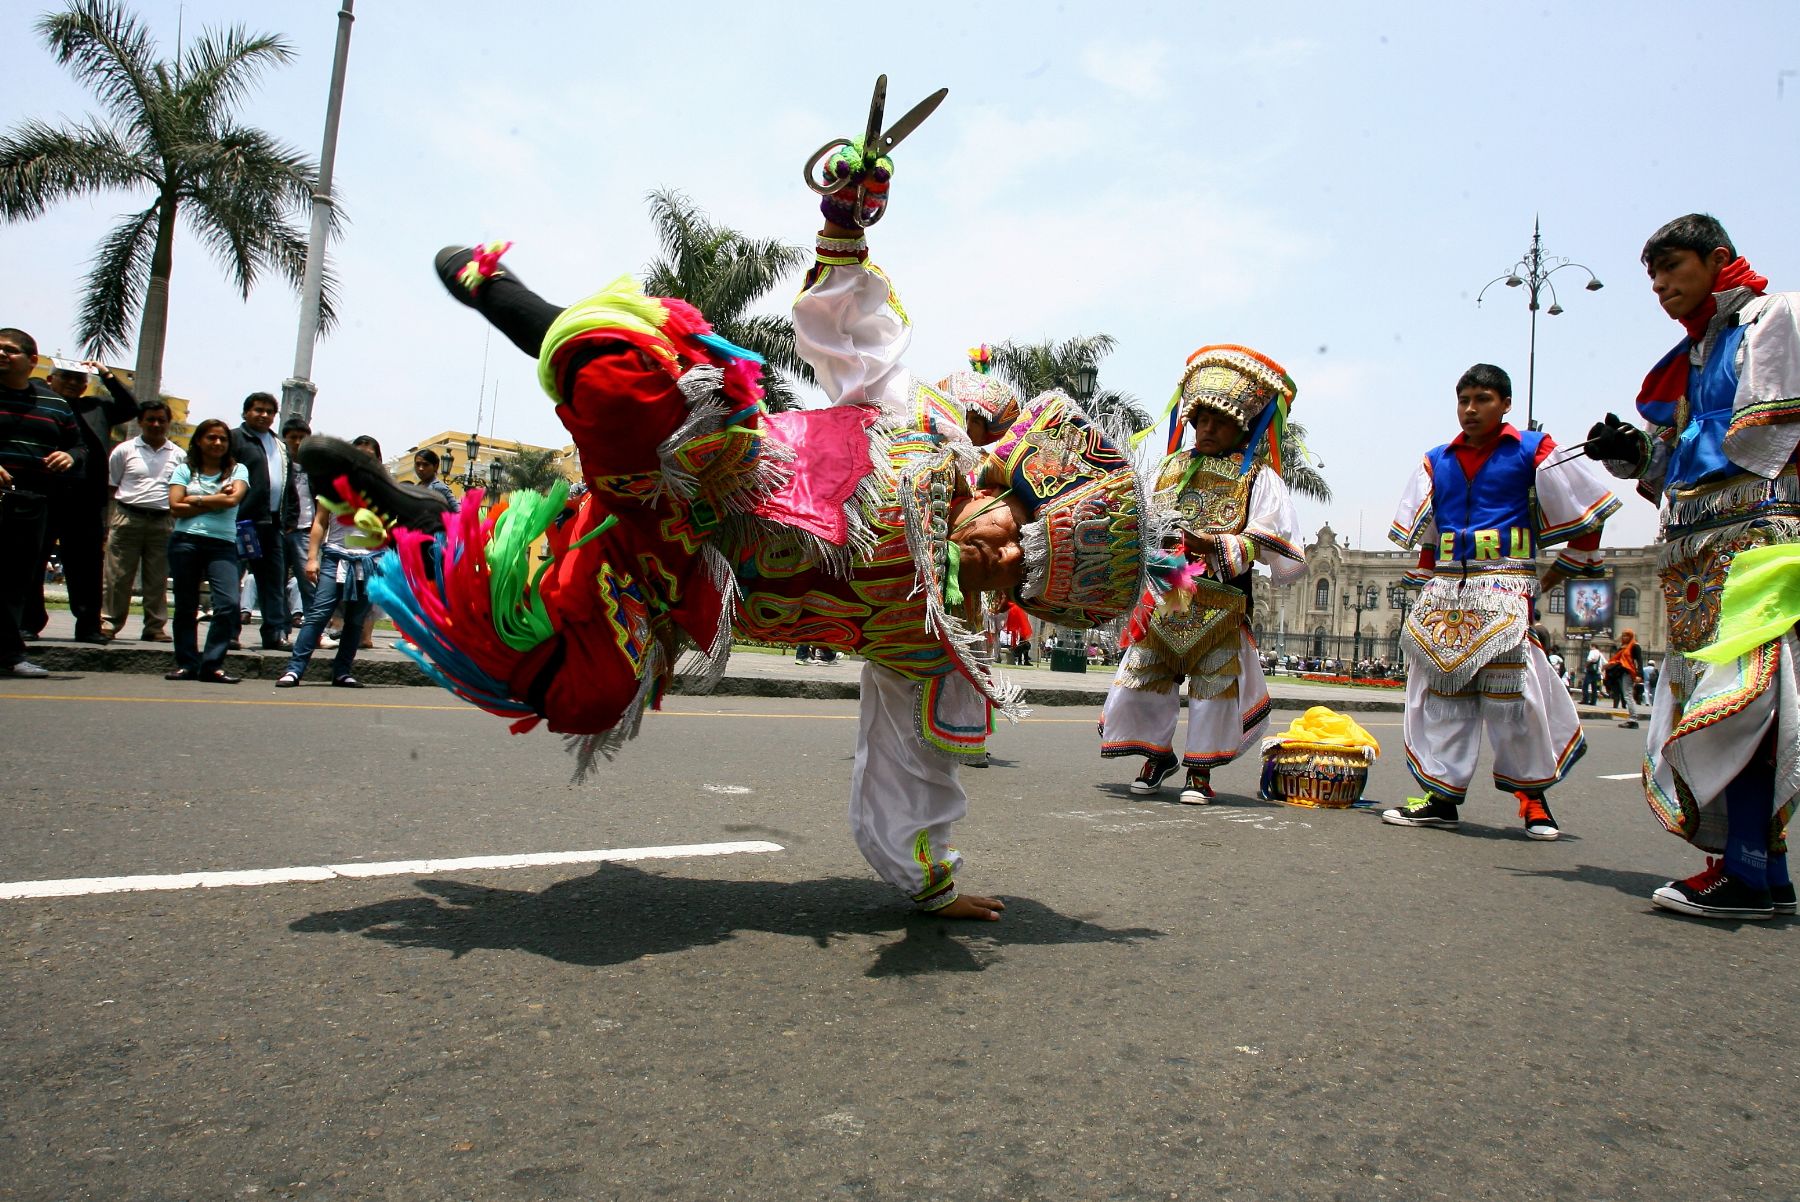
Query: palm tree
x,y
533,470
168,129
723,273
1038,367
1300,471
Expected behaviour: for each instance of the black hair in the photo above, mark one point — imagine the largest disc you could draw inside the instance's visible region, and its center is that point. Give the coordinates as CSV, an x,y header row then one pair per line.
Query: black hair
x,y
429,456
367,441
257,398
152,406
1486,375
1698,232
295,422
196,459
26,342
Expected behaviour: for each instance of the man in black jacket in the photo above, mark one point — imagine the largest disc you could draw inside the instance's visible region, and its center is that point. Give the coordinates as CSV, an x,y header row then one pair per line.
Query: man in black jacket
x,y
255,445
78,516
39,445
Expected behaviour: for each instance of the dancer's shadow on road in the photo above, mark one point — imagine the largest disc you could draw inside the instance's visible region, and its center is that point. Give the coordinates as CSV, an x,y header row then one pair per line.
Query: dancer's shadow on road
x,y
1632,884
620,913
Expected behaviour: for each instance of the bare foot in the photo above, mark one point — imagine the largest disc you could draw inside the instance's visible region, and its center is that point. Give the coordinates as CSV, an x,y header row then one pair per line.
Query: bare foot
x,y
968,905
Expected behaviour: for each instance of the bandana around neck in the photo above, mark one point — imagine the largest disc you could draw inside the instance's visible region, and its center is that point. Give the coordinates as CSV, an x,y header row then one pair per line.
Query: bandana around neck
x,y
1735,274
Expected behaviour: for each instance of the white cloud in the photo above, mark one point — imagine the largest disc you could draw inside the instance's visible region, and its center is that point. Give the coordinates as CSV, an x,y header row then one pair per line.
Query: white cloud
x,y
1135,68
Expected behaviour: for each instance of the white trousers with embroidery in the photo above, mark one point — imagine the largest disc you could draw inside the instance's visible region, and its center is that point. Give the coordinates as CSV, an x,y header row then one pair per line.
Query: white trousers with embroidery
x,y
904,797
1536,736
1141,722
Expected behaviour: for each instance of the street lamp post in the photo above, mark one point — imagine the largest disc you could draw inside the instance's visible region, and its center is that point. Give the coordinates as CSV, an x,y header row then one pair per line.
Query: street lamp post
x,y
1083,381
1533,273
473,447
1400,598
1365,600
298,390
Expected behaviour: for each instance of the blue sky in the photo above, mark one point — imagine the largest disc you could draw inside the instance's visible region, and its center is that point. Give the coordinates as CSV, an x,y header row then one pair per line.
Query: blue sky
x,y
1329,183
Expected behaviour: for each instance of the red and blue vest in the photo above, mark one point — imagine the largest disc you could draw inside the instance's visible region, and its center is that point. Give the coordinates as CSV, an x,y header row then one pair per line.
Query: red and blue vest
x,y
1492,516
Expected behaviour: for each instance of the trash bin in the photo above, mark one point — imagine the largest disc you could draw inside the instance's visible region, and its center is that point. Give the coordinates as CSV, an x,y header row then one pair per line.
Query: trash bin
x,y
1074,660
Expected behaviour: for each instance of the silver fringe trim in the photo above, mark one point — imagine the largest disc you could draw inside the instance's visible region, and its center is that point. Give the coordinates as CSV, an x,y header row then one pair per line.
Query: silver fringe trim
x,y
587,749
926,534
1489,597
702,387
1034,541
703,670
1458,708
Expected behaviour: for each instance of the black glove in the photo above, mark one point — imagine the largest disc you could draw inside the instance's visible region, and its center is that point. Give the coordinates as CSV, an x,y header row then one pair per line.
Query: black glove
x,y
1615,439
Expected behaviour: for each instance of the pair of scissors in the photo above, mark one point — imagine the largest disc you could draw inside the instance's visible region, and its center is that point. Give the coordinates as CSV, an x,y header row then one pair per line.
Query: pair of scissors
x,y
875,144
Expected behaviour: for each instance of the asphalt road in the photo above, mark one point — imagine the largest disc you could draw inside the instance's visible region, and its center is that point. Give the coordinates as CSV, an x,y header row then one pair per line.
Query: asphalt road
x,y
1243,1001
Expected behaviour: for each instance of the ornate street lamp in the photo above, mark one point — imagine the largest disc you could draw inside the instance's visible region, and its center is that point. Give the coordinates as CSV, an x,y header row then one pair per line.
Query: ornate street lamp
x,y
473,447
1400,597
1533,273
1083,380
1365,598
496,474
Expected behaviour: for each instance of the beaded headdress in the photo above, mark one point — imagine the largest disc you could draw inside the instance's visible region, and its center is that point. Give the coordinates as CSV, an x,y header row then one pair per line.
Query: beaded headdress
x,y
1245,385
1084,547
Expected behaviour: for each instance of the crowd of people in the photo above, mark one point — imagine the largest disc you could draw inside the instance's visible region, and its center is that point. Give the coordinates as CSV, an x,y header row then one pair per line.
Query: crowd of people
x,y
144,516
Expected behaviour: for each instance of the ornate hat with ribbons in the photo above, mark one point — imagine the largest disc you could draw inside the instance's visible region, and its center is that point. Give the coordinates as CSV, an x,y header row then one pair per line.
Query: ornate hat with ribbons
x,y
1085,545
988,397
1245,385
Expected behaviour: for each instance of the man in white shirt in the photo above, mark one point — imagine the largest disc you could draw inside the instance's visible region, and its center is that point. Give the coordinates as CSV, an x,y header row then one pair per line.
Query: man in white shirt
x,y
137,539
1590,676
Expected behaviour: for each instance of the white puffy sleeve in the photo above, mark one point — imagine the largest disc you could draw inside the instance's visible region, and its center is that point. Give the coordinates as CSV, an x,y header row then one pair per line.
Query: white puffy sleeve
x,y
1272,528
1765,421
849,326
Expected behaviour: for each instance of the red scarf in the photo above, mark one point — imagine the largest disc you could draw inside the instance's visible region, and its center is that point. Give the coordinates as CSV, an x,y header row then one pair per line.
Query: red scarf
x,y
1735,274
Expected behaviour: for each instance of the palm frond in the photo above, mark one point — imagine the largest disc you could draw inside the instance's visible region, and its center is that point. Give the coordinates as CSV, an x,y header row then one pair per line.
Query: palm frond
x,y
108,49
116,283
770,335
40,165
221,68
1300,469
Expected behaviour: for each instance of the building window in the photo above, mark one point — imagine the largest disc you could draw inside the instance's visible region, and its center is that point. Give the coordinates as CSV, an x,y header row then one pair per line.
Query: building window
x,y
1322,595
1556,600
1628,603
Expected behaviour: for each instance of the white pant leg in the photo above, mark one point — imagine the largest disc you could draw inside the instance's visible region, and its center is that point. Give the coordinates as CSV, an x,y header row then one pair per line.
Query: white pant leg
x,y
1216,732
903,796
1537,737
1443,737
1139,721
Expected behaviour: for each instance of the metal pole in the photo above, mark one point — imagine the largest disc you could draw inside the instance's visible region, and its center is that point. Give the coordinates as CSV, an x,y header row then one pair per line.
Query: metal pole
x,y
298,391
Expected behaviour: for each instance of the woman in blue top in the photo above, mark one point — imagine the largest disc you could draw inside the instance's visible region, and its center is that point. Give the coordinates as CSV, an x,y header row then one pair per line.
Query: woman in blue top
x,y
203,495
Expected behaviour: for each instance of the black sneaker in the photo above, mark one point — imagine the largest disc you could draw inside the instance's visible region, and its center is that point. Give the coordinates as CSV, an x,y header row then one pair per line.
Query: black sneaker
x,y
1781,897
1715,893
1539,824
346,475
1157,769
1199,790
1429,810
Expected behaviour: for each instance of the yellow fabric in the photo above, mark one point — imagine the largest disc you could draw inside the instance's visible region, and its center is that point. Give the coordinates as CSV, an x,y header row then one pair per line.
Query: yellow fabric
x,y
1761,602
1324,729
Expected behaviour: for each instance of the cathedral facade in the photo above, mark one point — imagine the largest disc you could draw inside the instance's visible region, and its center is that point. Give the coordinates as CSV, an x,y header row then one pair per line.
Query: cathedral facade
x,y
1349,607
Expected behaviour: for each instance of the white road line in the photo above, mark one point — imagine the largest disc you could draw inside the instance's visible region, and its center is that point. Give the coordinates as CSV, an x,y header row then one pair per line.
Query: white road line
x,y
1625,776
82,886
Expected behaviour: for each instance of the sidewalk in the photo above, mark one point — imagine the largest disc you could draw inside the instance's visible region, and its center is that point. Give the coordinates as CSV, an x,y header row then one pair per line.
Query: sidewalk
x,y
753,672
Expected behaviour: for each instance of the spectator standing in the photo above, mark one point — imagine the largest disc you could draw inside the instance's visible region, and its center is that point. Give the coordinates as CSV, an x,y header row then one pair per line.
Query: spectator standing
x,y
1624,673
39,446
137,542
297,513
77,522
1590,676
263,456
204,495
425,467
340,574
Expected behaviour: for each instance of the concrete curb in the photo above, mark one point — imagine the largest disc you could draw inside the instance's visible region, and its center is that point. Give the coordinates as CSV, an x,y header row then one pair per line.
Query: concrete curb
x,y
384,666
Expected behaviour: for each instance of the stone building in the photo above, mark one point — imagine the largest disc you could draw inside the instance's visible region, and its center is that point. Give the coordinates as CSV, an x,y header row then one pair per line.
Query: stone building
x,y
1318,616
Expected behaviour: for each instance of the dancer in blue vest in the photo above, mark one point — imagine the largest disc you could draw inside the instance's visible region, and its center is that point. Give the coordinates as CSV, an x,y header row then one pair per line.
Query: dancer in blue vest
x,y
1720,448
1481,507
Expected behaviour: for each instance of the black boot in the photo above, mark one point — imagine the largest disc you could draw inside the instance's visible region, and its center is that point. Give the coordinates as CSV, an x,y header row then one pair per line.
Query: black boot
x,y
327,459
500,296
